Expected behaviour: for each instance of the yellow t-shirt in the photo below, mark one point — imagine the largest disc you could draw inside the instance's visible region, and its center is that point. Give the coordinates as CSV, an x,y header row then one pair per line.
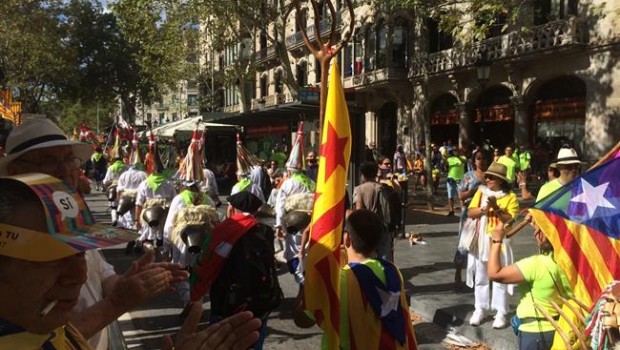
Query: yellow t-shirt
x,y
508,203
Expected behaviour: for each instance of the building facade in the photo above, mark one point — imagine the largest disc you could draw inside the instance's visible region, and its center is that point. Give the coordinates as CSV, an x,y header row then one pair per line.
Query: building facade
x,y
556,82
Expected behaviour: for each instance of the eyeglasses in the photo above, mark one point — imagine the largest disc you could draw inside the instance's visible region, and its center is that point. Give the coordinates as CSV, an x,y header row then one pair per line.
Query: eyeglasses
x,y
50,164
490,178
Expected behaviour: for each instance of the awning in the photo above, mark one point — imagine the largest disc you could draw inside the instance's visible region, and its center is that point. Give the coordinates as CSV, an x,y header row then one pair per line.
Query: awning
x,y
185,125
292,111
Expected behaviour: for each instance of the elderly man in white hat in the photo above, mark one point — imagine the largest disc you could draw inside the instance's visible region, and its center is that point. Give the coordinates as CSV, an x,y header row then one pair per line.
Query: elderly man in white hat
x,y
569,165
38,145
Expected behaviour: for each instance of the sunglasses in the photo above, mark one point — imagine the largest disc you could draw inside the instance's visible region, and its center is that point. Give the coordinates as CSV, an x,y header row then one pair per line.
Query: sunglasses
x,y
490,178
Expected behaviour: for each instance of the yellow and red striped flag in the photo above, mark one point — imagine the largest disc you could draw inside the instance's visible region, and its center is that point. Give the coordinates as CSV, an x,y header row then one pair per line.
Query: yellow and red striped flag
x,y
322,284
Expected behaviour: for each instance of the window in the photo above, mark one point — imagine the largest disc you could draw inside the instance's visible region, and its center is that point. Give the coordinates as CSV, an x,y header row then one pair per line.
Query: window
x,y
550,10
192,100
358,53
317,70
438,40
302,74
347,60
369,53
400,44
382,45
278,81
263,85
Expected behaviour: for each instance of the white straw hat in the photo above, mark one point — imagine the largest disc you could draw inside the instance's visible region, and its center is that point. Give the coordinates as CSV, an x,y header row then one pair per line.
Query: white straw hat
x,y
39,133
568,156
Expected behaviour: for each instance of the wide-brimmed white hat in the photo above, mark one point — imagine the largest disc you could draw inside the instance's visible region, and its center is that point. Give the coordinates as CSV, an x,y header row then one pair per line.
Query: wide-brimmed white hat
x,y
568,156
39,133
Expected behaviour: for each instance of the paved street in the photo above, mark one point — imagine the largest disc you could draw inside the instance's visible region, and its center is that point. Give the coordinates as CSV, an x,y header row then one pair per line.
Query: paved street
x,y
428,273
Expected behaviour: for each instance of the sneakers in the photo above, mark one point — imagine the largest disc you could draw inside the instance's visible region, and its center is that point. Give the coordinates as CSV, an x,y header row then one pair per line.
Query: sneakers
x,y
500,321
476,318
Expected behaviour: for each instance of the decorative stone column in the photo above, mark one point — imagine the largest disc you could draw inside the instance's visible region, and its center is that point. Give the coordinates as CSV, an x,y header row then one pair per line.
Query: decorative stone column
x,y
465,125
522,121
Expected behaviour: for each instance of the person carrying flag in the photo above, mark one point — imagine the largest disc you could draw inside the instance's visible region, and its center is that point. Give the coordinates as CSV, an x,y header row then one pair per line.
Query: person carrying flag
x,y
246,163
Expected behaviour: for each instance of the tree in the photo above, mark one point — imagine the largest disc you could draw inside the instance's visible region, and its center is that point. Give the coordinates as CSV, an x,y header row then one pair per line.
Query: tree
x,y
33,58
162,36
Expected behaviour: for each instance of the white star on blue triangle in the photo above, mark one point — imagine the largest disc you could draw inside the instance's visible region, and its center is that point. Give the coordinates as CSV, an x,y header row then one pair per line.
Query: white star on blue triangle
x,y
389,301
593,197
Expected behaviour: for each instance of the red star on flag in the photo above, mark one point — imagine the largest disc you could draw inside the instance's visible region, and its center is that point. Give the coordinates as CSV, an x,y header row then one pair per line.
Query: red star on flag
x,y
333,151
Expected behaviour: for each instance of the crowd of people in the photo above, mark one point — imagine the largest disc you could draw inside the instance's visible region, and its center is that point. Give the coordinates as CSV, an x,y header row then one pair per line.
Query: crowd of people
x,y
54,286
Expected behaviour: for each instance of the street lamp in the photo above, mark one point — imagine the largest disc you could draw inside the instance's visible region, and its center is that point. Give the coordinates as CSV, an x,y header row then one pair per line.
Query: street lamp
x,y
483,71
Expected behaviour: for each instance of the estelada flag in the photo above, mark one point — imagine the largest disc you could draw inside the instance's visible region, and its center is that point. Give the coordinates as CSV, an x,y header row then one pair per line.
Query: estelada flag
x,y
582,222
323,262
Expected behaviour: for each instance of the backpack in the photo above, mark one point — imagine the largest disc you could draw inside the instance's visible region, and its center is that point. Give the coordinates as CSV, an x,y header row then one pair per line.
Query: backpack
x,y
249,278
390,207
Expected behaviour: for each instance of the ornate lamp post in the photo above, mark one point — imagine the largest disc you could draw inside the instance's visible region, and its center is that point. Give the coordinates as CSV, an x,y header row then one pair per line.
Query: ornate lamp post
x,y
483,71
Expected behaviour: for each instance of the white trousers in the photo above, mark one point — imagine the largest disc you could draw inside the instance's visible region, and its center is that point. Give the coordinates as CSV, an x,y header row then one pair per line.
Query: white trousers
x,y
489,296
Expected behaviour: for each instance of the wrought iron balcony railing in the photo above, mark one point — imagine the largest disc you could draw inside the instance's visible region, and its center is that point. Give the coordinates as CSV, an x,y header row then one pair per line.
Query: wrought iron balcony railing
x,y
554,35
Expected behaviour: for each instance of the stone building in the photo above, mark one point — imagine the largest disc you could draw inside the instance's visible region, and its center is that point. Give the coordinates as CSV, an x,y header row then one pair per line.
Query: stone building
x,y
557,81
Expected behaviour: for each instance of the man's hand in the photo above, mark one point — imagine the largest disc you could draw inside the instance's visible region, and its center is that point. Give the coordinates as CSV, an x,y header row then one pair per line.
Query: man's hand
x,y
237,332
143,280
279,233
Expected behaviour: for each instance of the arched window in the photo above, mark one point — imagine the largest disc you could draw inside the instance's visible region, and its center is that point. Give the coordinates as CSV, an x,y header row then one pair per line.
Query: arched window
x,y
370,50
400,47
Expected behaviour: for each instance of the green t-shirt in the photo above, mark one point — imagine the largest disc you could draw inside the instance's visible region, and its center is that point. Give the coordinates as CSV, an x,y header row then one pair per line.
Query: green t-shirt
x,y
544,282
548,188
511,167
524,160
455,168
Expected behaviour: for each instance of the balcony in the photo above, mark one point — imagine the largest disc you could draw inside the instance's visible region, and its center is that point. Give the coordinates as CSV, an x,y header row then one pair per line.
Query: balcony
x,y
296,41
232,108
265,55
376,77
553,36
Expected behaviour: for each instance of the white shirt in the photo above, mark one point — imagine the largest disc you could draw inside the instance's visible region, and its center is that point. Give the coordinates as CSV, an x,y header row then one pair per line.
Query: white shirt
x,y
165,190
111,176
289,187
130,179
210,184
92,292
253,189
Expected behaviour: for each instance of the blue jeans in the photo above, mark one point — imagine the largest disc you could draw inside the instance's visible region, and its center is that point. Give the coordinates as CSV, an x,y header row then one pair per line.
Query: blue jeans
x,y
535,341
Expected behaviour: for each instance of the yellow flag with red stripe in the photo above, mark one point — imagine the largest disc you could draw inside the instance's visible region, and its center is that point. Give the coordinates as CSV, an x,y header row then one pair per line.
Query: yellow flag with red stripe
x,y
323,262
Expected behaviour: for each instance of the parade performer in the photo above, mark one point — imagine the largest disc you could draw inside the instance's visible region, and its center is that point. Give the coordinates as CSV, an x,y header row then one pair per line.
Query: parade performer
x,y
246,162
296,183
110,182
209,186
190,211
100,165
153,198
493,204
243,276
127,189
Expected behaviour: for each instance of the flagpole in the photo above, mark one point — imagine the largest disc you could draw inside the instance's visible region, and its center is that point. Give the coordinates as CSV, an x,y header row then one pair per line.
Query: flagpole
x,y
528,218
